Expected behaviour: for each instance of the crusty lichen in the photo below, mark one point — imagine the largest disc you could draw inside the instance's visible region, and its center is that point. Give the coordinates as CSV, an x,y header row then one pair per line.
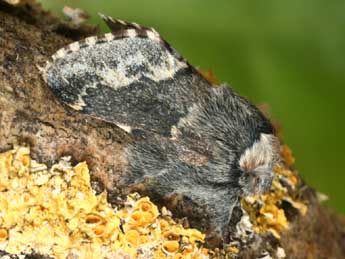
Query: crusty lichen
x,y
55,212
267,214
271,216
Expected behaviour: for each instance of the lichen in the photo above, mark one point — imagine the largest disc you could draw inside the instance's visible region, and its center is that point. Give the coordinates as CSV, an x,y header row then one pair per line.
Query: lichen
x,y
55,212
271,217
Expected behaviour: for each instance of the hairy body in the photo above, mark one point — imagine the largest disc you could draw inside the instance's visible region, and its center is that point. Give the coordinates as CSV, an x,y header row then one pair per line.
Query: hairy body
x,y
198,148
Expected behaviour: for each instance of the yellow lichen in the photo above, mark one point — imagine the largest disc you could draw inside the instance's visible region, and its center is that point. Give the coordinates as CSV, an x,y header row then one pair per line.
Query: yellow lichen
x,y
133,237
3,235
271,217
232,249
210,76
171,246
55,212
287,155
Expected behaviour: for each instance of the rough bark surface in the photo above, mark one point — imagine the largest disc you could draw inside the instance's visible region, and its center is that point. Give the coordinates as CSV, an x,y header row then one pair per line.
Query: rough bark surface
x,y
30,114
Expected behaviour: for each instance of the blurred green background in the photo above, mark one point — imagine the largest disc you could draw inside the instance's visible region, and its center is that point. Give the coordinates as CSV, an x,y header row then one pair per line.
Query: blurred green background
x,y
288,54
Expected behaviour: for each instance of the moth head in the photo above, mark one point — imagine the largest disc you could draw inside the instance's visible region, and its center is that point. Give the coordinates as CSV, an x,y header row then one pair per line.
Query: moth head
x,y
257,165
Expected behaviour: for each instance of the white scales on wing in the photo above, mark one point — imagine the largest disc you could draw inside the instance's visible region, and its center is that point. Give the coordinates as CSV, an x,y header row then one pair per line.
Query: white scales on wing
x,y
203,147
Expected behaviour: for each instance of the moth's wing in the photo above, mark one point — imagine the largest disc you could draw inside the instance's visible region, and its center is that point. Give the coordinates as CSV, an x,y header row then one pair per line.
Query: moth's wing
x,y
130,77
116,25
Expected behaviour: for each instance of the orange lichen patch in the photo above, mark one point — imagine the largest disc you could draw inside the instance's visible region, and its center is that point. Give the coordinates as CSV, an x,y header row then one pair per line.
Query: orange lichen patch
x,y
170,246
164,225
159,255
141,219
143,214
145,205
289,176
55,212
170,235
178,256
133,237
143,239
26,198
3,234
94,219
187,249
233,249
271,217
204,251
210,76
286,154
99,230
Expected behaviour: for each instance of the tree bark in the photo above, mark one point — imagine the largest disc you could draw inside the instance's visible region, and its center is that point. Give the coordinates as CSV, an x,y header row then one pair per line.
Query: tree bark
x,y
30,114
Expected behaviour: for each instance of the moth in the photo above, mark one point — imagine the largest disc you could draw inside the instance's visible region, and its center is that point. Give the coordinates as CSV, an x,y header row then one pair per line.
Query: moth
x,y
199,147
